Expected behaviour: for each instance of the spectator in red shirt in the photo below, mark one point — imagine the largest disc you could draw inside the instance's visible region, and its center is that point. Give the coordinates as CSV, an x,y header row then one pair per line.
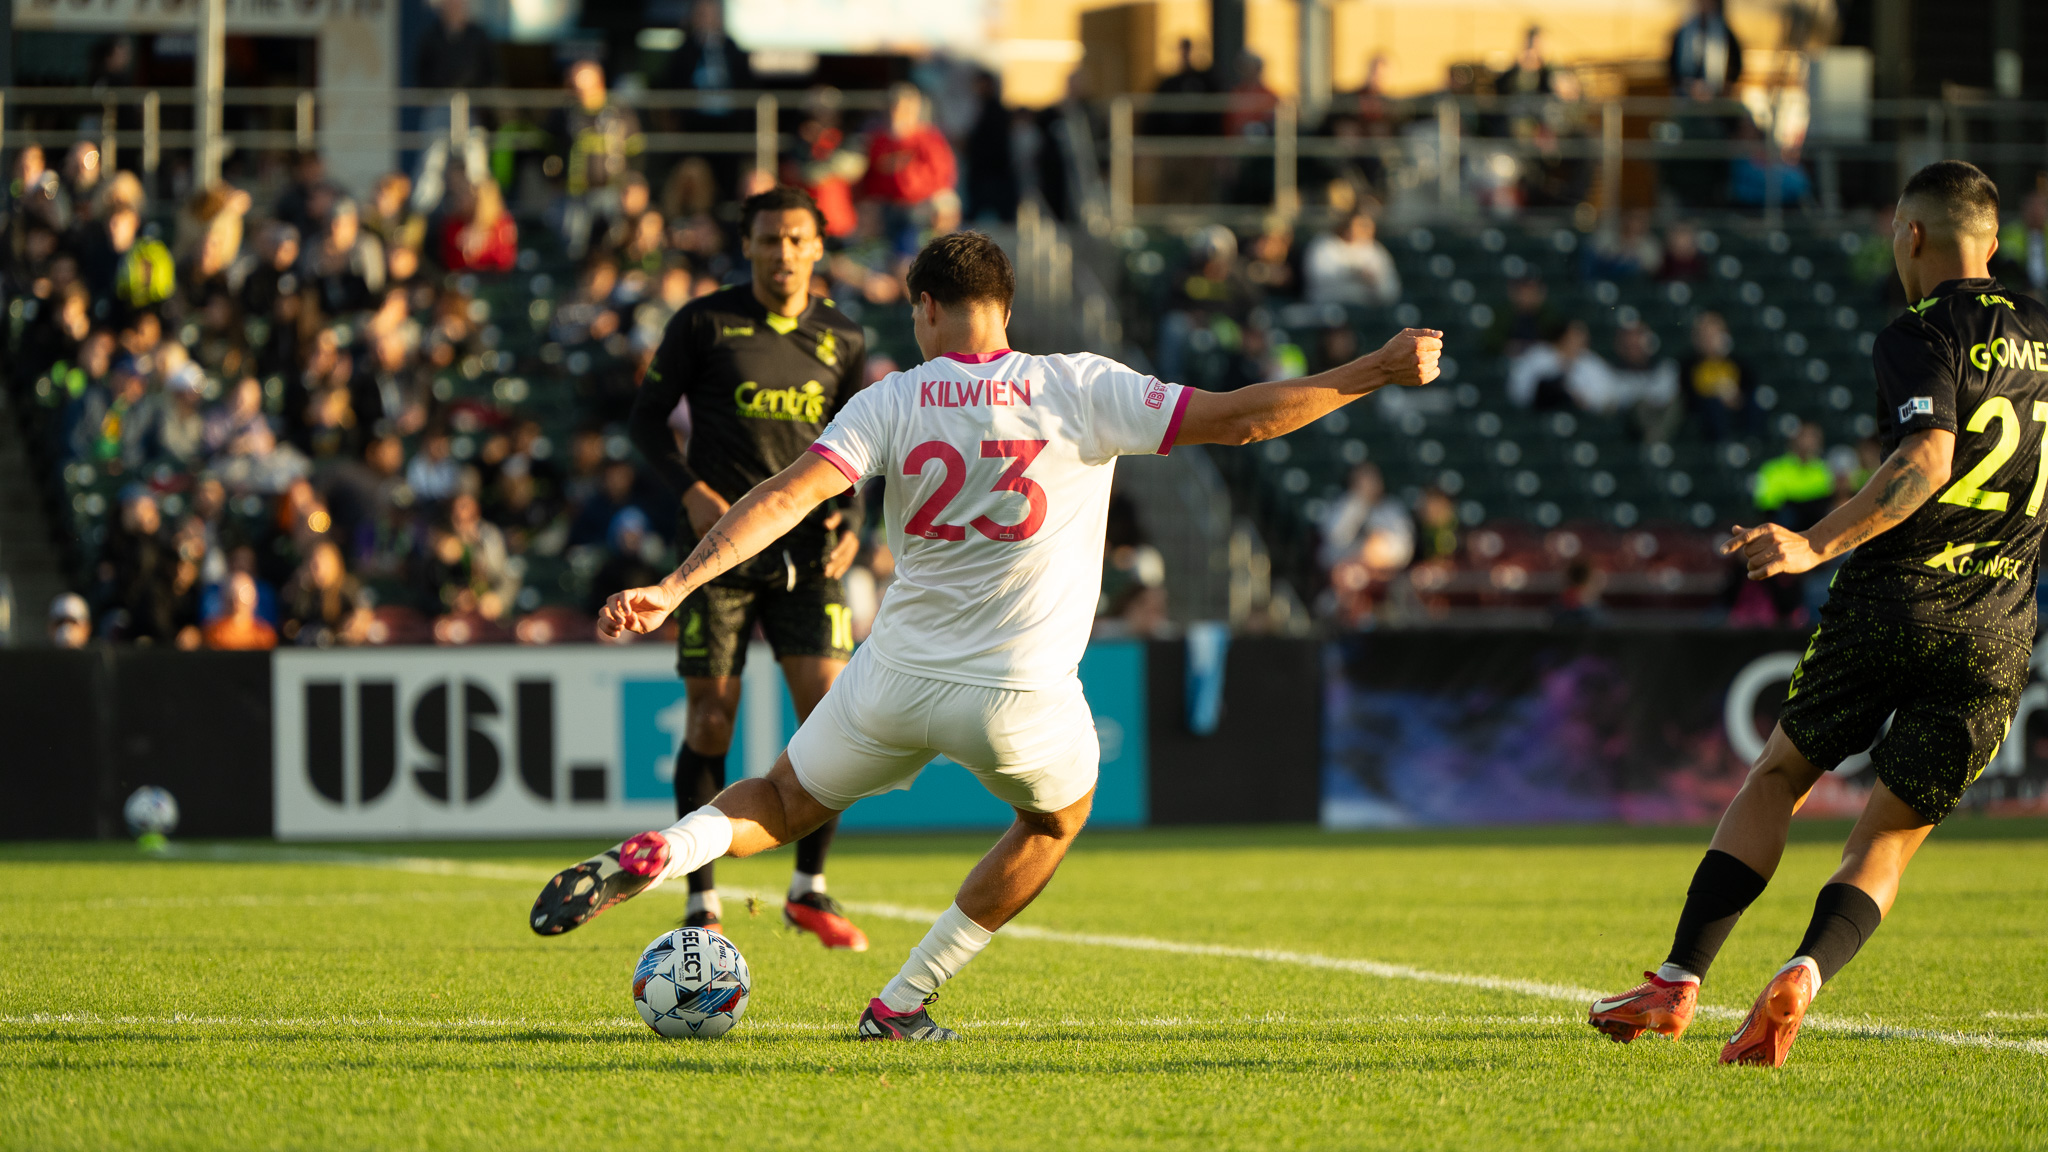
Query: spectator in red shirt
x,y
1251,102
909,164
830,166
483,240
1250,114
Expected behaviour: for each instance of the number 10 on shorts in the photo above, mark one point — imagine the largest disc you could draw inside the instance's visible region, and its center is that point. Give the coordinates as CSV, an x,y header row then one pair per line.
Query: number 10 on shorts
x,y
841,619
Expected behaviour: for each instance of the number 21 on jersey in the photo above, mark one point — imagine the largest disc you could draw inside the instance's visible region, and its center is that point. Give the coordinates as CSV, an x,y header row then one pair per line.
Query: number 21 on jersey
x,y
1969,491
925,521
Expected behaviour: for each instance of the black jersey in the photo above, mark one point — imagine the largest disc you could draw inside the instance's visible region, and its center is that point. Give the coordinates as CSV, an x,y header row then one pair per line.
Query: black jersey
x,y
761,387
1972,359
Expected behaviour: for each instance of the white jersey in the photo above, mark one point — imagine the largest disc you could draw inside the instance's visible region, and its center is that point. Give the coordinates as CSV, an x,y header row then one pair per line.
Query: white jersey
x,y
997,470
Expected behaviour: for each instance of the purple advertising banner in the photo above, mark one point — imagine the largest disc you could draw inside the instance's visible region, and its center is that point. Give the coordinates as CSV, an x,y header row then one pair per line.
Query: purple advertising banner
x,y
1576,726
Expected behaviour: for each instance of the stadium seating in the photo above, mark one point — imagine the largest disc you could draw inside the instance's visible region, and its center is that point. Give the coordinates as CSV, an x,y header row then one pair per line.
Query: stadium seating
x,y
1797,317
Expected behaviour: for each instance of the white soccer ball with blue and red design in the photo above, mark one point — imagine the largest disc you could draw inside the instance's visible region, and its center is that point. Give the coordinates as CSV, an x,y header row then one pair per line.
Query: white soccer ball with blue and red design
x,y
150,811
692,984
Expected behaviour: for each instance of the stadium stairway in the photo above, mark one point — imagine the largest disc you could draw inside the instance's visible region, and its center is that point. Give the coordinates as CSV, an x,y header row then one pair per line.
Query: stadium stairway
x,y
30,572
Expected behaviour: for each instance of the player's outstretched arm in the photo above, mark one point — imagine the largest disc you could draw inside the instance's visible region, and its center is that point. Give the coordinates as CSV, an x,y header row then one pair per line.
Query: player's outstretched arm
x,y
1264,411
1905,481
761,517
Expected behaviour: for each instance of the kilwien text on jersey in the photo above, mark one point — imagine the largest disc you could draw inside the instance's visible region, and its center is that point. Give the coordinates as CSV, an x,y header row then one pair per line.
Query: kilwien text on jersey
x,y
1971,359
760,387
999,468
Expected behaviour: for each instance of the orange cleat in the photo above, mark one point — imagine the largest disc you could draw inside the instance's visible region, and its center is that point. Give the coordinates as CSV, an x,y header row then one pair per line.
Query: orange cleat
x,y
819,914
1766,1035
1656,1005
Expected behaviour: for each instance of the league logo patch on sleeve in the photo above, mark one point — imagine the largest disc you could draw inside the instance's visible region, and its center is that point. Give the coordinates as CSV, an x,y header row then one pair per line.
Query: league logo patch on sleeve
x,y
1156,395
1917,406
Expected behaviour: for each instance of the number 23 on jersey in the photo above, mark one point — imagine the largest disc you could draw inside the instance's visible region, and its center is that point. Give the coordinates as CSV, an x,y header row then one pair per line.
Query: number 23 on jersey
x,y
925,521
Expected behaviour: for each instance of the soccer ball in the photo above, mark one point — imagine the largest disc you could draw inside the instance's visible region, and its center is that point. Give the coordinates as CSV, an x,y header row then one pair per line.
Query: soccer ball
x,y
150,811
691,983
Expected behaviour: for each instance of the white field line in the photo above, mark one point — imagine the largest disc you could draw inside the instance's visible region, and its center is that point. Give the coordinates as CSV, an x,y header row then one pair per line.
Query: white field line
x,y
631,1024
387,1023
424,865
1873,1029
310,900
440,866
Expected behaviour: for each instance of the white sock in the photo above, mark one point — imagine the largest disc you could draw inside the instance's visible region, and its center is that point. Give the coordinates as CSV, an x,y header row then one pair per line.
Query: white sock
x,y
1813,969
1672,974
705,902
696,840
805,883
945,950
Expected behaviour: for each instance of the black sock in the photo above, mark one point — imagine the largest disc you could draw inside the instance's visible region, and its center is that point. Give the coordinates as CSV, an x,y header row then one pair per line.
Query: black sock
x,y
699,778
1722,888
810,851
1844,917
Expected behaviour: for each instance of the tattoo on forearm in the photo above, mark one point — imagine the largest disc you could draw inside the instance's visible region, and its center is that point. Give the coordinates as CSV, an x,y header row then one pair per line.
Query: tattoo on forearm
x,y
1905,489
715,551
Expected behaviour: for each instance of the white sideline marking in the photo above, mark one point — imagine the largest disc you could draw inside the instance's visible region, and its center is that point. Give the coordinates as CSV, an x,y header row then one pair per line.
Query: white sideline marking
x,y
441,866
309,900
328,1022
371,1023
425,865
630,1024
1872,1029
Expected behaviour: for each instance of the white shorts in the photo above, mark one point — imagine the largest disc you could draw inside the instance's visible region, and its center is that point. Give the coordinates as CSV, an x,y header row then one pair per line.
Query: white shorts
x,y
877,728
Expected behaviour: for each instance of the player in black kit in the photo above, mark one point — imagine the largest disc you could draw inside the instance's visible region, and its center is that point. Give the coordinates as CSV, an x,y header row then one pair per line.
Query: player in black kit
x,y
1930,621
763,367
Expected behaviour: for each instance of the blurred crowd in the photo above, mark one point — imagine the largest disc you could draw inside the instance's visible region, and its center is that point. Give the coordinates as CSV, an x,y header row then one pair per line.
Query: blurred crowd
x,y
301,413
279,410
1518,124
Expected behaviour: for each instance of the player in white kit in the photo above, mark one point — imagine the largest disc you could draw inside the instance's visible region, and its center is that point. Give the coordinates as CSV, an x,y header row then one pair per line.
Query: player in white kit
x,y
998,466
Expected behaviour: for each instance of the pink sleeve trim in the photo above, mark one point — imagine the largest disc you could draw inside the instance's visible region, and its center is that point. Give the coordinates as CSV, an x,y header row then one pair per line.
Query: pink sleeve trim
x,y
1180,409
833,458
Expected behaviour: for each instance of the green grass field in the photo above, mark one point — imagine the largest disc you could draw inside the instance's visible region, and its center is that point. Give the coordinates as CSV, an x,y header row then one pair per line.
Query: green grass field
x,y
260,1002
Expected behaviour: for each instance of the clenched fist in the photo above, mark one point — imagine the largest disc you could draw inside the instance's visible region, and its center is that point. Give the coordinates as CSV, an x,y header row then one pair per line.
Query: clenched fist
x,y
1410,358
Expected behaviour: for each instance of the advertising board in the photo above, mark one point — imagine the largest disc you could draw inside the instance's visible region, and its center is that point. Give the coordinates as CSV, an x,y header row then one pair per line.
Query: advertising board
x,y
403,743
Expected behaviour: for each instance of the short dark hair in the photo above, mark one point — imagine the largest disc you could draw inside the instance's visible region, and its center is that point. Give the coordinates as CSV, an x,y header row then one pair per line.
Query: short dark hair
x,y
963,268
1960,192
781,198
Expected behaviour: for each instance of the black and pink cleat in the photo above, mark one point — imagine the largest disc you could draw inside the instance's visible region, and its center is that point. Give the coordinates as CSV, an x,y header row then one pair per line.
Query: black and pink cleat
x,y
578,893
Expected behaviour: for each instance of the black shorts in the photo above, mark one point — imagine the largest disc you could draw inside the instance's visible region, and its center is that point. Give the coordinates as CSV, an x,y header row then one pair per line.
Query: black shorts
x,y
1951,697
717,621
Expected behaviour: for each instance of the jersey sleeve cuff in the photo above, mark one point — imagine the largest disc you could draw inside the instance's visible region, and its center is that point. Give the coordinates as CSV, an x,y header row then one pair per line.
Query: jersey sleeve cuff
x,y
1180,409
845,469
